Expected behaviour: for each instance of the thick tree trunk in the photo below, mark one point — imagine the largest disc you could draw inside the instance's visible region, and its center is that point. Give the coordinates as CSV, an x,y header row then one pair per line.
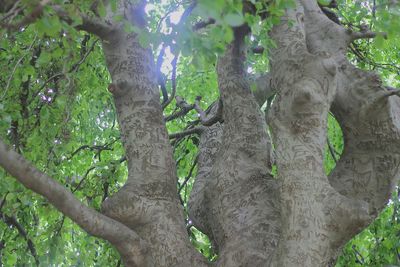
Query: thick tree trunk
x,y
148,202
309,71
241,198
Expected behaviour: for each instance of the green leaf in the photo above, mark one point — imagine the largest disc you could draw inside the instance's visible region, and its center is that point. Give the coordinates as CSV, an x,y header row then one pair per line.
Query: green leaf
x,y
324,2
44,58
234,19
11,259
44,114
379,41
101,9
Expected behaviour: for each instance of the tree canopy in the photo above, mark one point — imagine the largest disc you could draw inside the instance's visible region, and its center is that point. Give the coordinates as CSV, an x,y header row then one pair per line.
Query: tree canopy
x,y
56,110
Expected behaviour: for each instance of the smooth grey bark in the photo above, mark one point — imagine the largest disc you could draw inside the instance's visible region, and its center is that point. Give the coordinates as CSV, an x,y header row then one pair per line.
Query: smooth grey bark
x,y
148,202
241,207
310,72
128,243
301,219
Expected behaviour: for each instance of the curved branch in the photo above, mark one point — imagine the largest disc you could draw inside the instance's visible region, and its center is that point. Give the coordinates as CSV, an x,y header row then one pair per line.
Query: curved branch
x,y
124,239
160,77
208,119
184,109
90,24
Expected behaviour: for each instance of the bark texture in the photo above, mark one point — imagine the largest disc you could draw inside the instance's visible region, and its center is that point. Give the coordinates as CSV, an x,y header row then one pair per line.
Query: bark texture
x,y
148,202
241,203
303,217
310,72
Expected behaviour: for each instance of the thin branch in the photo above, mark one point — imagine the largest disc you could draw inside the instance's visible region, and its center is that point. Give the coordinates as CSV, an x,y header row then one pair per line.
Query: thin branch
x,y
202,24
90,24
15,67
29,18
204,118
74,67
199,110
173,81
170,10
361,57
3,201
187,178
13,11
195,130
160,77
128,243
331,150
98,148
359,257
174,62
184,109
12,221
83,179
58,231
365,34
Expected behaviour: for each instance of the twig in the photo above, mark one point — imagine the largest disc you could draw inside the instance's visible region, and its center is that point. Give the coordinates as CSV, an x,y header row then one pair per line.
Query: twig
x,y
15,68
188,176
184,109
74,67
98,148
83,179
208,120
12,222
174,62
358,255
173,81
195,130
28,19
161,80
127,241
331,150
61,226
202,24
13,11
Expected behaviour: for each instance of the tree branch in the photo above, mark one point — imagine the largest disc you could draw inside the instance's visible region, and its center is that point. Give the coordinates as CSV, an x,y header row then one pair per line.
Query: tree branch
x,y
12,222
28,19
90,24
174,62
173,81
184,109
124,239
365,34
204,118
160,77
195,130
202,24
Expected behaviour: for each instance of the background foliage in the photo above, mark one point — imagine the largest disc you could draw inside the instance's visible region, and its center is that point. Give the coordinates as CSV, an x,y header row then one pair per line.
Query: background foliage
x,y
55,109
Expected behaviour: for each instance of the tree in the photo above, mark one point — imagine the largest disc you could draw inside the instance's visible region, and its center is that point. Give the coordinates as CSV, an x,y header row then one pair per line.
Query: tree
x,y
261,202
